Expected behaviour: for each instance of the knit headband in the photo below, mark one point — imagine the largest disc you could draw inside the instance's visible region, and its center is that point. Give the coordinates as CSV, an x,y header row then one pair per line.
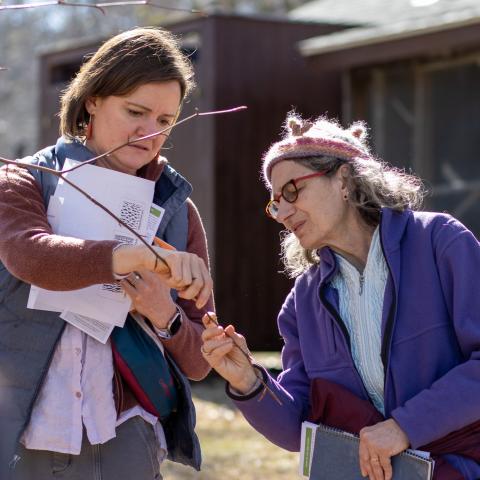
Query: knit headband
x,y
323,137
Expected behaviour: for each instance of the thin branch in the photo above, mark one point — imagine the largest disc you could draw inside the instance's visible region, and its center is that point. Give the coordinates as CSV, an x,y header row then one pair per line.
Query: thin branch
x,y
28,5
266,388
155,134
99,6
50,3
150,4
221,112
60,175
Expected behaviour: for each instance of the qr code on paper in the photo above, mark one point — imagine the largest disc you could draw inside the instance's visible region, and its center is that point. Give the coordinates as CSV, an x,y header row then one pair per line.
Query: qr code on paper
x,y
131,213
124,239
114,288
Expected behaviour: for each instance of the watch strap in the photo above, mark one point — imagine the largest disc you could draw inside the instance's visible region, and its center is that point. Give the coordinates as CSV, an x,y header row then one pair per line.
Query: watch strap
x,y
172,327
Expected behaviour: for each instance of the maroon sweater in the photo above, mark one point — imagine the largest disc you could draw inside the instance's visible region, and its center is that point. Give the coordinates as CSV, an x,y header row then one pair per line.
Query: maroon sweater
x,y
32,253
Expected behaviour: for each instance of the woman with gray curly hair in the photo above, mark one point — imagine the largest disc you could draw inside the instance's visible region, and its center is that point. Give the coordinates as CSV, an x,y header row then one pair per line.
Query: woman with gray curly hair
x,y
381,330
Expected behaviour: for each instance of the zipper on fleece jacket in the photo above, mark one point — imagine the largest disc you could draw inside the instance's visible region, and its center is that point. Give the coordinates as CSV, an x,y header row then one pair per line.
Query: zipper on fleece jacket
x,y
335,316
338,320
387,337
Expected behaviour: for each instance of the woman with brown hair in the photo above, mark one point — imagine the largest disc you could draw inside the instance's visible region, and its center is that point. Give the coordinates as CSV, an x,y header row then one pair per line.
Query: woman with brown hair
x,y
59,414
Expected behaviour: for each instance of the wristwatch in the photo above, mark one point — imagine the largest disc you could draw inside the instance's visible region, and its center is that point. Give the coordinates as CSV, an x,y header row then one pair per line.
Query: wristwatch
x,y
173,326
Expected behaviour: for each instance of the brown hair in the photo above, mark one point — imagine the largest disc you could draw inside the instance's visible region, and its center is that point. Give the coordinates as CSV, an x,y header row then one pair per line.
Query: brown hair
x,y
123,63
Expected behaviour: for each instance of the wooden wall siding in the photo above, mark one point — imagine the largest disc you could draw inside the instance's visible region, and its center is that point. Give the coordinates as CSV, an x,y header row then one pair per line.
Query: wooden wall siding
x,y
445,43
239,61
430,124
193,143
384,98
258,65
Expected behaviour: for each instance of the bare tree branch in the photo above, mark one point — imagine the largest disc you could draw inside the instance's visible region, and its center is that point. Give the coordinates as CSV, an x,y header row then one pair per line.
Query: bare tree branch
x,y
155,134
60,174
150,4
99,6
50,3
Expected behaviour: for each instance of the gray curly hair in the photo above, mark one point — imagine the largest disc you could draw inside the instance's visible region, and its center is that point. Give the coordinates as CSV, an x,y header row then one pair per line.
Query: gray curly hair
x,y
372,184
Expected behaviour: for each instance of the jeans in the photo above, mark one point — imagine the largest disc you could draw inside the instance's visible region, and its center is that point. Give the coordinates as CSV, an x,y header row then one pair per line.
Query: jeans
x,y
131,455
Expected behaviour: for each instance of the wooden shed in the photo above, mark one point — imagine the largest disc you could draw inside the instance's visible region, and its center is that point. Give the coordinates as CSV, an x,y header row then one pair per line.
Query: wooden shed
x,y
250,61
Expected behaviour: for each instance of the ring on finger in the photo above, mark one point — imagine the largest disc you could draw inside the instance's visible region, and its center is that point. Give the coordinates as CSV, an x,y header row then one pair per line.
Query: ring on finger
x,y
135,278
204,351
375,460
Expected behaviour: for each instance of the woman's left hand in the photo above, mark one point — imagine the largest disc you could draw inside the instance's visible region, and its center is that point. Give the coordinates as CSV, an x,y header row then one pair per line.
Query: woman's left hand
x,y
150,297
378,444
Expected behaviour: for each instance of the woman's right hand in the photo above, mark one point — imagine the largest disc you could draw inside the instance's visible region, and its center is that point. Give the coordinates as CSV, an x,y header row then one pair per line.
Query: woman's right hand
x,y
221,349
183,271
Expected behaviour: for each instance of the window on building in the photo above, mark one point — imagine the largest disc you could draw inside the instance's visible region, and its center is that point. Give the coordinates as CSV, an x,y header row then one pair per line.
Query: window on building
x,y
425,117
62,73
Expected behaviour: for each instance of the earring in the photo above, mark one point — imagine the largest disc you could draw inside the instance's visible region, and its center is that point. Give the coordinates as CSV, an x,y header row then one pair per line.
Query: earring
x,y
345,197
89,129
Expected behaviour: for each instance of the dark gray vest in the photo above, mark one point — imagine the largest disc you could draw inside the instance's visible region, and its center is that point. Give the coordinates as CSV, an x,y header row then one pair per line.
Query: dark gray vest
x,y
28,337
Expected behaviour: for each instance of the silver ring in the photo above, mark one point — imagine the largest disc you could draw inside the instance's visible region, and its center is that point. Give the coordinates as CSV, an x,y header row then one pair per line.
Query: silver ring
x,y
133,280
204,351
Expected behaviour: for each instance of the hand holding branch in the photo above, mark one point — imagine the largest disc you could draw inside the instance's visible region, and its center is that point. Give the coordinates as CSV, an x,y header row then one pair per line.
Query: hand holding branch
x,y
186,272
224,350
183,271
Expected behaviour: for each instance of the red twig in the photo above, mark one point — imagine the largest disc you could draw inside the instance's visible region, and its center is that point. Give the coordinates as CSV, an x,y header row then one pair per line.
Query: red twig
x,y
266,388
60,174
155,134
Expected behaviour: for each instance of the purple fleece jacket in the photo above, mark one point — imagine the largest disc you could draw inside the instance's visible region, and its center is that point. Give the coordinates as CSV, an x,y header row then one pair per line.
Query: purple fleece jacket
x,y
430,337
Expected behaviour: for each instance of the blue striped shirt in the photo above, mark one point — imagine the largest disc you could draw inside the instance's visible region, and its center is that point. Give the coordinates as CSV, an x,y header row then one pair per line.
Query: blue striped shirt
x,y
360,303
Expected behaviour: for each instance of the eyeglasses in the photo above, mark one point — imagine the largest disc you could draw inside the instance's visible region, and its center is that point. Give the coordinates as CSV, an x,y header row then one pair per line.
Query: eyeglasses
x,y
289,192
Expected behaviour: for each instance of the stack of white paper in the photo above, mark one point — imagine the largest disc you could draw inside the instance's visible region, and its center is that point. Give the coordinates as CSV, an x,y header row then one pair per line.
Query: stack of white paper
x,y
98,308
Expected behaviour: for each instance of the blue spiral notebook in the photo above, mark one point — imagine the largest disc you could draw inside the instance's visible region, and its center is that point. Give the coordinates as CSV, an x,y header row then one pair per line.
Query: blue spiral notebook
x,y
335,457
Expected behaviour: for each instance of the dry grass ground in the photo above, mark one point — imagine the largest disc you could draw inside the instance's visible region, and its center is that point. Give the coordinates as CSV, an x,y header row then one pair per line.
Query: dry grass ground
x,y
231,449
